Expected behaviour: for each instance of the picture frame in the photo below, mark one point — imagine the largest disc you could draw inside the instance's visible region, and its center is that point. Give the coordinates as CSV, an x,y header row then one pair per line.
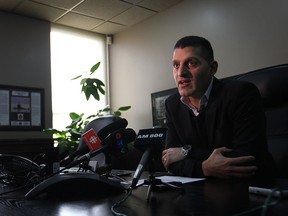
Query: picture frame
x,y
158,106
22,108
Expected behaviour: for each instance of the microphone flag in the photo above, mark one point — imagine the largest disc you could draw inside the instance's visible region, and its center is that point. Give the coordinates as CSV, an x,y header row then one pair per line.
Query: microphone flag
x,y
92,140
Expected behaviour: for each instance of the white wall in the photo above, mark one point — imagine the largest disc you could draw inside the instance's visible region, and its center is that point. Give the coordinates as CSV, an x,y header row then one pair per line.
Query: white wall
x,y
246,35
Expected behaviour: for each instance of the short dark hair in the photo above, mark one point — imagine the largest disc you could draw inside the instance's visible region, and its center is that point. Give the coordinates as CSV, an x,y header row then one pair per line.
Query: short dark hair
x,y
196,41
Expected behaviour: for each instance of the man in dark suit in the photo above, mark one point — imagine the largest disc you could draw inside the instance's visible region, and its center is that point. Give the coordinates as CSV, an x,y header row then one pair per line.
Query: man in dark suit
x,y
215,128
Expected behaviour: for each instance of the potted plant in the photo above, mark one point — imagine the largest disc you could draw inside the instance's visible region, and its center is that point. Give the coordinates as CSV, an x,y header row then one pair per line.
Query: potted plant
x,y
67,139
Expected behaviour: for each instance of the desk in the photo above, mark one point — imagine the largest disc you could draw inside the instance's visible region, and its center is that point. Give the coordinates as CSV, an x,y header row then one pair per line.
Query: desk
x,y
208,197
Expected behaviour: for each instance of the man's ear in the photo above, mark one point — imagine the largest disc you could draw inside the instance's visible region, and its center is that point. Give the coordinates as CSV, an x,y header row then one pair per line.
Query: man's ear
x,y
214,67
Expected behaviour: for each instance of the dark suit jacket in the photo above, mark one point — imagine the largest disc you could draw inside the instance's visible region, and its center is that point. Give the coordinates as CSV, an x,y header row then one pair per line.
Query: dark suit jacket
x,y
234,118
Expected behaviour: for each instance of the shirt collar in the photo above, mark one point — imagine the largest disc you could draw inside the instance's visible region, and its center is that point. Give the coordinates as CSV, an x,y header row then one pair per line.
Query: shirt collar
x,y
203,101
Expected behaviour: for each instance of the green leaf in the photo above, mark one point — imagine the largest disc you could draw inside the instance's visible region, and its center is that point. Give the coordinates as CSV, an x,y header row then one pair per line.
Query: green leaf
x,y
87,92
117,113
96,95
76,77
124,108
75,122
74,115
101,90
83,81
89,81
76,132
106,109
98,82
91,116
94,68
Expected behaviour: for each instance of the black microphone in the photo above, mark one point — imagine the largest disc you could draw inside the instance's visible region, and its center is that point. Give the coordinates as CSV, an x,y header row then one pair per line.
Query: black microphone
x,y
86,157
114,126
71,157
120,141
102,134
151,137
142,164
150,141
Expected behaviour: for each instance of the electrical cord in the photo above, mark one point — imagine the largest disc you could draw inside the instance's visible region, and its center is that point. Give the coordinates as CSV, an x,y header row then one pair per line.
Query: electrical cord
x,y
268,202
36,181
117,204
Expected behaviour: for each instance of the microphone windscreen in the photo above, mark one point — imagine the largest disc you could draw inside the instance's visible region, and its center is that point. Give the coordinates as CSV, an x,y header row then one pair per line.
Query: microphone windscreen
x,y
118,140
110,128
152,137
103,126
129,135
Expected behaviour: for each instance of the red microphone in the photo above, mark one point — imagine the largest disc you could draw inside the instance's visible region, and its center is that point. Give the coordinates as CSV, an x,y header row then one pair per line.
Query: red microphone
x,y
92,140
94,143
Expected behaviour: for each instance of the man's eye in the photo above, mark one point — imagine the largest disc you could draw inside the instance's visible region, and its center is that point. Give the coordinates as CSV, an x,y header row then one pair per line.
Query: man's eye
x,y
175,66
192,64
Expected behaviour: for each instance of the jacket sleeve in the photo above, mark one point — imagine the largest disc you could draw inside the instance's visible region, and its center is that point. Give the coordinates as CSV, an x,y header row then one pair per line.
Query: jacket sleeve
x,y
191,166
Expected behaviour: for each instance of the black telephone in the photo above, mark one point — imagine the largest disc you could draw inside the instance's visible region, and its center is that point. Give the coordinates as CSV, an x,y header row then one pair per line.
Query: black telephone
x,y
17,170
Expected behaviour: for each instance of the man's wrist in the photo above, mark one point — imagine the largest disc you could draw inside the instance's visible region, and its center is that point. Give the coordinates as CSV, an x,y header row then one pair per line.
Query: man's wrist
x,y
185,150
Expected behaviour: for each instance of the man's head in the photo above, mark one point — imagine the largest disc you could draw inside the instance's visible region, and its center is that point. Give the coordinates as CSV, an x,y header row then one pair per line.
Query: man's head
x,y
201,43
193,66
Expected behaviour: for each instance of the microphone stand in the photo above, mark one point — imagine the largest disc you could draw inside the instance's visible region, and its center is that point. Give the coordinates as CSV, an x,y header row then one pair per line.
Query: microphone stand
x,y
153,181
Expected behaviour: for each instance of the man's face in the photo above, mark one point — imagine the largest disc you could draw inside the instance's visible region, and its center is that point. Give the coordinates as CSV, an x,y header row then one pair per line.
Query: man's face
x,y
192,73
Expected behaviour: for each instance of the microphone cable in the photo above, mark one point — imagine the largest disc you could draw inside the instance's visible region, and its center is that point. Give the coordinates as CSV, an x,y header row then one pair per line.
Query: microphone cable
x,y
118,204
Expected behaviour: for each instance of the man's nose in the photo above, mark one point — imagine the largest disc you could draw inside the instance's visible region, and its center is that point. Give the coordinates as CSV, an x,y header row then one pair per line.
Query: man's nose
x,y
183,70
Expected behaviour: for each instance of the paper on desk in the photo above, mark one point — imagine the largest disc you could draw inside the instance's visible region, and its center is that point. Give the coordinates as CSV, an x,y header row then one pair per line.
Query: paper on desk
x,y
169,179
183,180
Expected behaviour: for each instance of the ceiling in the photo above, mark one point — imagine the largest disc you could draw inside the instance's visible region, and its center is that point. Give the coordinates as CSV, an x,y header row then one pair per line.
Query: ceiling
x,y
101,16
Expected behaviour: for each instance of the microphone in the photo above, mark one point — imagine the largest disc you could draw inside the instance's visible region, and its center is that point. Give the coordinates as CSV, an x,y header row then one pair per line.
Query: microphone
x,y
102,134
86,157
114,126
94,144
152,137
120,141
97,146
71,157
144,159
151,142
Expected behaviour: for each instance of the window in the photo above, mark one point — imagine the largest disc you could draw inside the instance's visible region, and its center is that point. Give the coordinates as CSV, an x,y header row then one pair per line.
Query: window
x,y
74,52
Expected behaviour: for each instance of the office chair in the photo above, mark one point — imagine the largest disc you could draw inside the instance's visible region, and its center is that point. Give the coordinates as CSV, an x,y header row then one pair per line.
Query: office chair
x,y
272,83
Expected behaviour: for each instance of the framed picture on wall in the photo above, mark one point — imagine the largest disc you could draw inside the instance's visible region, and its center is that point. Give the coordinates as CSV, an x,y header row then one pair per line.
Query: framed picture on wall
x,y
158,106
21,108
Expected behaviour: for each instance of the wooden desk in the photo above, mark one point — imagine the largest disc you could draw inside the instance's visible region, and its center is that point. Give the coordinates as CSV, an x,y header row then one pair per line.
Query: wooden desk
x,y
209,197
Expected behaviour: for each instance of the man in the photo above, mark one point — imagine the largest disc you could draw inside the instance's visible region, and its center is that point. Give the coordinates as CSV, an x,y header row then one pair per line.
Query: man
x,y
215,128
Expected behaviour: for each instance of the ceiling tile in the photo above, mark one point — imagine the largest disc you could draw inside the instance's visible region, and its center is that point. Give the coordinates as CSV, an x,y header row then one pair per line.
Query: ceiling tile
x,y
109,28
40,11
79,21
103,9
134,2
102,16
158,5
66,4
133,16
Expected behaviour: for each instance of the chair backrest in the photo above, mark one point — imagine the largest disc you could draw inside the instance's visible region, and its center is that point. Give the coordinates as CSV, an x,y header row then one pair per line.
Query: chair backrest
x,y
272,83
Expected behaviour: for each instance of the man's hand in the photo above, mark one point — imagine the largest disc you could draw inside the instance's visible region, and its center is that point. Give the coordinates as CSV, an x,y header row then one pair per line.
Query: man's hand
x,y
171,155
223,167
